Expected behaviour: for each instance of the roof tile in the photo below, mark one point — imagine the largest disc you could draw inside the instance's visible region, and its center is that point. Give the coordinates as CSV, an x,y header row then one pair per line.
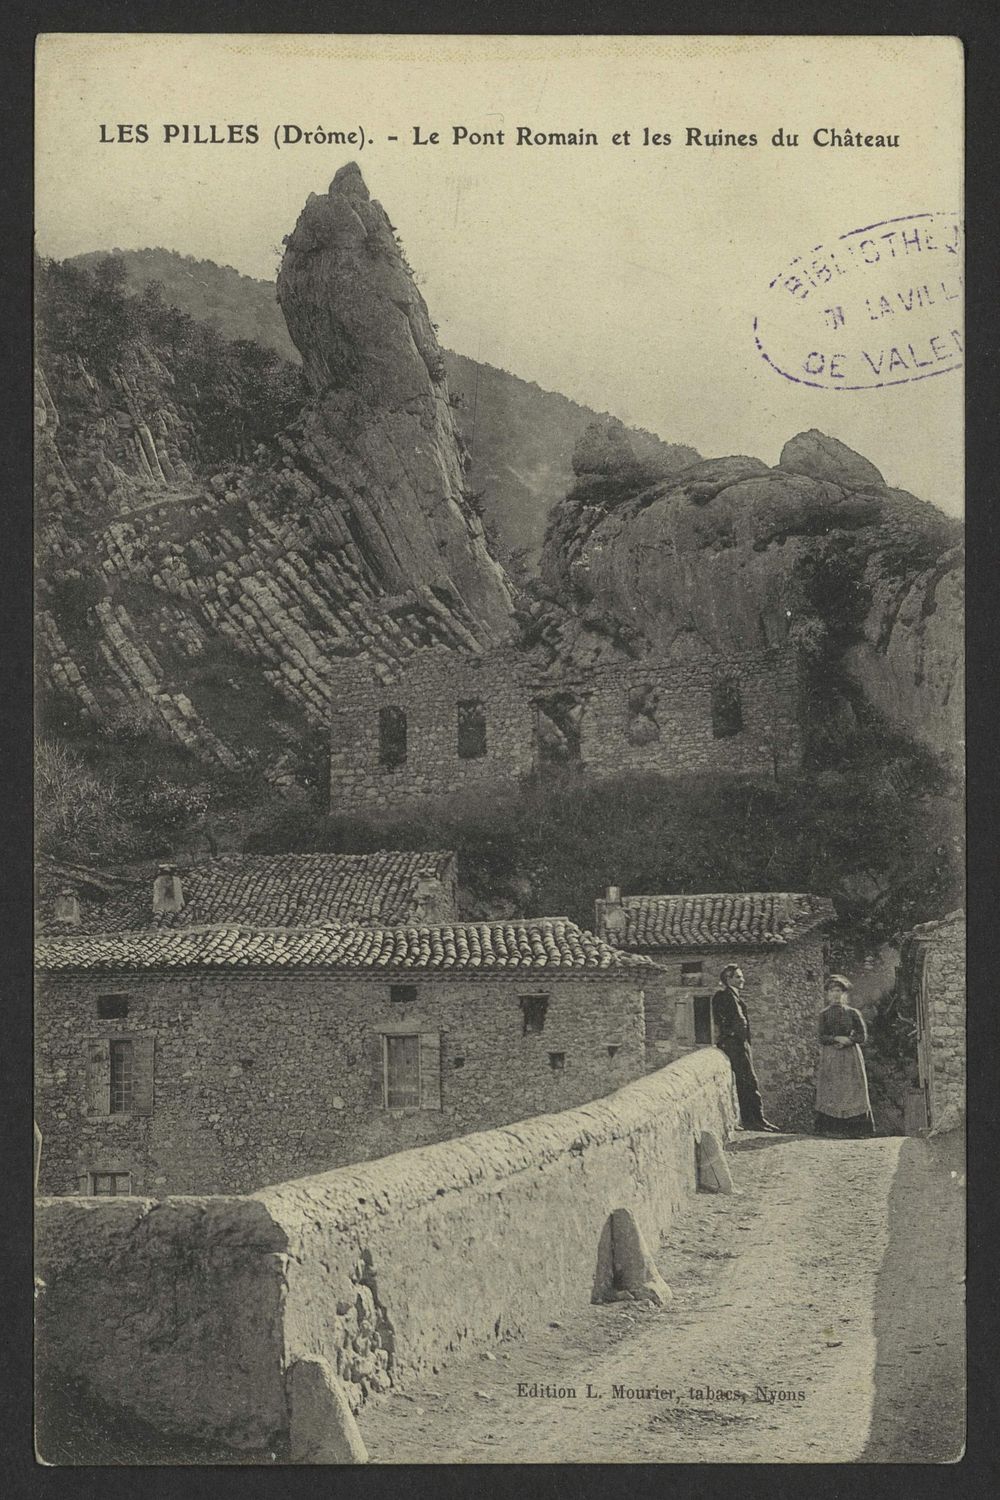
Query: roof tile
x,y
721,920
267,890
534,943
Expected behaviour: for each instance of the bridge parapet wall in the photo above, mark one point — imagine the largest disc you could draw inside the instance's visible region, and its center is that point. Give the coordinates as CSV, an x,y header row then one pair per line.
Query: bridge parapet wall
x,y
187,1312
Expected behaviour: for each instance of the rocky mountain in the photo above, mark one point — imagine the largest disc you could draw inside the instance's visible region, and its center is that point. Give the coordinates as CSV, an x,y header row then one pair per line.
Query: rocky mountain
x,y
731,554
200,586
219,527
519,438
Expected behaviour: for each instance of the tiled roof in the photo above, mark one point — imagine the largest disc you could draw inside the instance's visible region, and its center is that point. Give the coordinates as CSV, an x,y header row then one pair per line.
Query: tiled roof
x,y
531,943
267,890
743,919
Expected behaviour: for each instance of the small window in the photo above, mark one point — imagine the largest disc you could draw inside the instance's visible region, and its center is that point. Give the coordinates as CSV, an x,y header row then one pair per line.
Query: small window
x,y
112,1007
534,1009
703,1020
402,994
122,1077
110,1184
471,729
810,975
402,1072
391,737
691,973
558,729
557,1061
612,1050
727,710
459,1062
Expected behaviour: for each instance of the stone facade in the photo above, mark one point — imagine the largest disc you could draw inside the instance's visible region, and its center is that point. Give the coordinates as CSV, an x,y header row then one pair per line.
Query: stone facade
x,y
784,996
783,990
240,1079
396,738
933,970
188,1312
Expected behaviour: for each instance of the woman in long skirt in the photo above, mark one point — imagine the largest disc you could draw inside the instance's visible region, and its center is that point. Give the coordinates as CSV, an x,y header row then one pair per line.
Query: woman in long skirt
x,y
842,1103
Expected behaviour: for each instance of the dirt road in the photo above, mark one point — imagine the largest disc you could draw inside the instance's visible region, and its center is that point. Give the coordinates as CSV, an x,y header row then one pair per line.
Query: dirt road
x,y
786,1309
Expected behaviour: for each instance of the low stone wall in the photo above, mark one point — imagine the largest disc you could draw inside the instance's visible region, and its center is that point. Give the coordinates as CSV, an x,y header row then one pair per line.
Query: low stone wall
x,y
171,1310
188,1312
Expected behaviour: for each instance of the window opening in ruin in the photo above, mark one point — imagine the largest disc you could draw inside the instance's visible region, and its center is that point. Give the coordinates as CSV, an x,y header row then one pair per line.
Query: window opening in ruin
x,y
727,709
459,1062
402,994
703,1020
111,1184
557,1061
402,1072
612,1050
691,973
534,1009
558,730
810,975
391,737
122,1077
471,729
643,726
112,1007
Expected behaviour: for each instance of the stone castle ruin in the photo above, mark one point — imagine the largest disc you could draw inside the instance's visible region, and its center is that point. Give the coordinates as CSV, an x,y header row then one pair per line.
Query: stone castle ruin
x,y
448,723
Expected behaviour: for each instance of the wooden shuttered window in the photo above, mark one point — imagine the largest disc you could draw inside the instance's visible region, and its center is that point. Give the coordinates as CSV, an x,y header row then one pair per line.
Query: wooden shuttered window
x,y
430,1070
402,1072
684,1021
98,1100
408,1069
133,1067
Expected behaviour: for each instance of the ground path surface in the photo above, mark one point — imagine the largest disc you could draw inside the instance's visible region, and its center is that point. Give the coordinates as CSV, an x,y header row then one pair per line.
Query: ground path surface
x,y
787,1339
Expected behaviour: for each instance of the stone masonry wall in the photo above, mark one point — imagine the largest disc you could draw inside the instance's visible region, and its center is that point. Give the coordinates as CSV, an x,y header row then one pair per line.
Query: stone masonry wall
x,y
171,1310
385,1268
674,737
944,978
261,1077
784,995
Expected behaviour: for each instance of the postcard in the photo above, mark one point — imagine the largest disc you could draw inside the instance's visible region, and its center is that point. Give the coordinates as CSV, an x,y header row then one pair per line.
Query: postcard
x,y
499,762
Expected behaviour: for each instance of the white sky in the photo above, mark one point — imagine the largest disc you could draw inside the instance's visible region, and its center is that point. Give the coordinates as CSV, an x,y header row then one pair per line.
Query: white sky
x,y
625,277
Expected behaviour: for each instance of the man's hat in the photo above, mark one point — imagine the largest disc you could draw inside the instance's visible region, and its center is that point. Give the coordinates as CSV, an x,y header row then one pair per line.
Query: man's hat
x,y
838,979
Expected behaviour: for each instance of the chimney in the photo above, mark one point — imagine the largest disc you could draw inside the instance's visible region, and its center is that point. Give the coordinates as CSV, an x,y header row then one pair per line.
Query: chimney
x,y
167,893
67,906
611,916
430,903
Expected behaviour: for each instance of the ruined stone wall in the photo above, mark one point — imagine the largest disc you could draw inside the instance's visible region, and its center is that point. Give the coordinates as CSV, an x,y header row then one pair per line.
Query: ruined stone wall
x,y
385,1269
262,1077
944,980
784,995
671,734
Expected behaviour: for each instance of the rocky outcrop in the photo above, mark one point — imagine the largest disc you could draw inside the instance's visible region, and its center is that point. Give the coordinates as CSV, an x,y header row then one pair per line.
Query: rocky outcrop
x,y
380,429
729,554
820,457
520,438
209,601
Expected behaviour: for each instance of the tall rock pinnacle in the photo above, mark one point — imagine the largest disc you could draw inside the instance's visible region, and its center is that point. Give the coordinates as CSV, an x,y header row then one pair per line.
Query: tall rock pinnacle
x,y
380,430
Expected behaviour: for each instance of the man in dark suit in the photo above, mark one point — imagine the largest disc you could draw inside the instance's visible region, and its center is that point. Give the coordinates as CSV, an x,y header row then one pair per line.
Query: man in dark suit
x,y
732,1034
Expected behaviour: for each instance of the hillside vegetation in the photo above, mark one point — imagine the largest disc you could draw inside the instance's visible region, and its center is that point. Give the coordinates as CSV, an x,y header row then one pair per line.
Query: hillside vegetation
x,y
217,532
520,438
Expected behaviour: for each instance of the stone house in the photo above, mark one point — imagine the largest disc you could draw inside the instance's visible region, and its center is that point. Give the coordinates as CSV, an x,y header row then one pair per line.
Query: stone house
x,y
776,938
219,1059
388,887
932,979
453,723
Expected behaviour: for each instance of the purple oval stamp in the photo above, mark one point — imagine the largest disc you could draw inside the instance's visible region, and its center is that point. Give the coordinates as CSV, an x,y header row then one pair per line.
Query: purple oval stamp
x,y
878,306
